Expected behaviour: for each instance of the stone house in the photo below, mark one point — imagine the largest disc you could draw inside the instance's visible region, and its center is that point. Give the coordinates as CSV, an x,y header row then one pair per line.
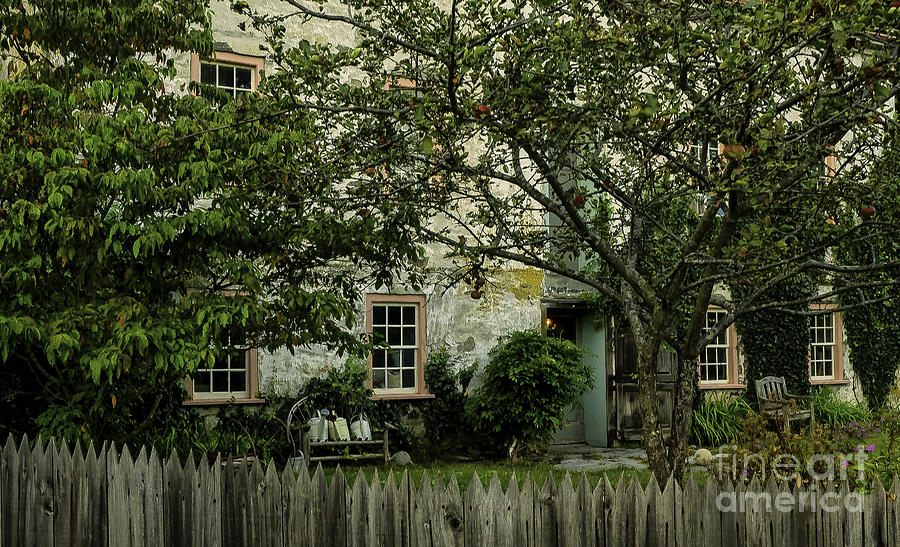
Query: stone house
x,y
415,323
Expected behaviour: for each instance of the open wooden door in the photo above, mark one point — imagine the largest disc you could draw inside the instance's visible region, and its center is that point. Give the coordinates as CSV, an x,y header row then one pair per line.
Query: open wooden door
x,y
628,423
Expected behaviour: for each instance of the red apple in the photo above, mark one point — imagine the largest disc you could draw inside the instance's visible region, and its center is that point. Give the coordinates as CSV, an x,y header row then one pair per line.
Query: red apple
x,y
476,294
482,109
867,211
579,201
370,170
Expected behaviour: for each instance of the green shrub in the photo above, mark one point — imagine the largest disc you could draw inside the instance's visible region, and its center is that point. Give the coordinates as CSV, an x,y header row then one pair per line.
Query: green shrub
x,y
719,421
448,429
831,410
528,384
343,389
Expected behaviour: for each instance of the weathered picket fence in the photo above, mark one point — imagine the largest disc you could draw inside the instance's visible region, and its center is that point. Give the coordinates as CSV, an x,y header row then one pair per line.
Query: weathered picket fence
x,y
54,495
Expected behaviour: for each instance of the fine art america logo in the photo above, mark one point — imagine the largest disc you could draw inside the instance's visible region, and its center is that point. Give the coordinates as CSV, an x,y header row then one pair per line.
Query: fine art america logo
x,y
786,467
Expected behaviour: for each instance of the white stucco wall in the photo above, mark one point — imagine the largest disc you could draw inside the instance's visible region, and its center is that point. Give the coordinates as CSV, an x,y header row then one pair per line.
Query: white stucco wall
x,y
468,328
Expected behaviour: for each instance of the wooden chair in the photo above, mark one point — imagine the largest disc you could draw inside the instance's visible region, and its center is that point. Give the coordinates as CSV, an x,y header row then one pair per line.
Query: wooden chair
x,y
775,401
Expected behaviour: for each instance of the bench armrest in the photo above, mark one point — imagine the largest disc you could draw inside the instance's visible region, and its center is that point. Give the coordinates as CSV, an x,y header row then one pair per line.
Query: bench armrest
x,y
804,397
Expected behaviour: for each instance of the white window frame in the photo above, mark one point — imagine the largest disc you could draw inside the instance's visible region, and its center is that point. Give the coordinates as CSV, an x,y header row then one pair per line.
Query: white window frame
x,y
836,344
821,350
249,367
255,64
724,344
388,301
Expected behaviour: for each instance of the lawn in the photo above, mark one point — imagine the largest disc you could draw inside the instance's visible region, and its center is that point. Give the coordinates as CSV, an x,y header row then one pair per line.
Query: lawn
x,y
464,471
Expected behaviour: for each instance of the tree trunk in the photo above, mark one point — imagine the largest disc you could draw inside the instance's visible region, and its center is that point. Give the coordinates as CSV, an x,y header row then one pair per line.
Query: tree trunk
x,y
682,414
648,351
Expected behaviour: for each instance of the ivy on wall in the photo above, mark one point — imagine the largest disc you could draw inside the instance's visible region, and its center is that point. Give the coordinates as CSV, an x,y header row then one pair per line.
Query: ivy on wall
x,y
776,342
872,334
872,315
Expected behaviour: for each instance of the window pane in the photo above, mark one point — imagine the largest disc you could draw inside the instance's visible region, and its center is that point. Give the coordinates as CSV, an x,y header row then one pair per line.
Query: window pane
x,y
409,358
207,73
409,377
393,379
242,78
237,359
378,379
394,336
221,361
201,382
409,315
378,358
409,336
394,358
394,315
220,381
379,334
226,76
238,381
379,314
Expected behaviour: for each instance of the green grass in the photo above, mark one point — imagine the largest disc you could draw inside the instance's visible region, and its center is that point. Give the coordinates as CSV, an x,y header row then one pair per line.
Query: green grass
x,y
718,421
833,411
464,471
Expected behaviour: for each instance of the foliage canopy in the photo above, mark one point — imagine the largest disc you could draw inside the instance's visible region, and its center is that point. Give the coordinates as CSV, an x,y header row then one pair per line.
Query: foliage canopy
x,y
580,137
142,226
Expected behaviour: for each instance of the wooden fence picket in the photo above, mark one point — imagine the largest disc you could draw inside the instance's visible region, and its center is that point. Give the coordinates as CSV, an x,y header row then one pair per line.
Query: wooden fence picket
x,y
478,519
53,494
600,510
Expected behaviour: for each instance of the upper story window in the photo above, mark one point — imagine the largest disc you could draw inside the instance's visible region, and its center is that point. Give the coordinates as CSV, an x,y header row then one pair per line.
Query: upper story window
x,y
712,154
396,324
231,72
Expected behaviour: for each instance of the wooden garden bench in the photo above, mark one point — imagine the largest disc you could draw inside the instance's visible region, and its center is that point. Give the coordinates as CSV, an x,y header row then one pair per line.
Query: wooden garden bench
x,y
775,401
349,450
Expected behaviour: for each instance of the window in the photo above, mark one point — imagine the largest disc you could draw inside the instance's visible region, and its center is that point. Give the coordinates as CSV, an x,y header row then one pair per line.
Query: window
x,y
396,324
712,164
825,347
718,360
712,154
234,73
826,169
231,378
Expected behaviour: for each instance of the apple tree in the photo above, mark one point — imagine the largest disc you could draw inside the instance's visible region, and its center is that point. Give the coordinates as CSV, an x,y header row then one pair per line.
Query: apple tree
x,y
656,152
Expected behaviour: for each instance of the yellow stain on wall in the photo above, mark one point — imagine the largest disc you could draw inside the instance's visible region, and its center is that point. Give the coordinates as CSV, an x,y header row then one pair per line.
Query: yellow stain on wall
x,y
522,283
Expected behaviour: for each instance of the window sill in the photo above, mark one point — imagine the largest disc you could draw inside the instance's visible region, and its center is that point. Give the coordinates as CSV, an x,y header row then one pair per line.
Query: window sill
x,y
829,382
401,396
723,386
219,402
